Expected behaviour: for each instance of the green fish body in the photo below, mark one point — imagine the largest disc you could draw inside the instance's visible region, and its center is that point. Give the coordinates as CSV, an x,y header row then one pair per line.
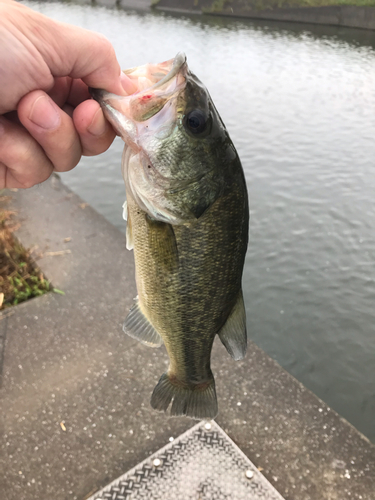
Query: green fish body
x,y
187,213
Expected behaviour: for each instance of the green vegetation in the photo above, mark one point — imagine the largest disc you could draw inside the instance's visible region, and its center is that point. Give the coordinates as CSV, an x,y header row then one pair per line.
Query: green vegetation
x,y
20,279
253,5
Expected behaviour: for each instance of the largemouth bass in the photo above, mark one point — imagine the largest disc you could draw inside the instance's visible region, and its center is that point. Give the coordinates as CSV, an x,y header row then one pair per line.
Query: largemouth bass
x,y
187,221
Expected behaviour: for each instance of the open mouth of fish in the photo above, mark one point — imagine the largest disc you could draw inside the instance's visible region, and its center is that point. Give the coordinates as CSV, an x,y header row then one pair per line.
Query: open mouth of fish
x,y
153,107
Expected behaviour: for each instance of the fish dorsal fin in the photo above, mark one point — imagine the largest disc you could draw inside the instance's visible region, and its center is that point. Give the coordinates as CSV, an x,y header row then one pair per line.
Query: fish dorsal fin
x,y
138,327
233,334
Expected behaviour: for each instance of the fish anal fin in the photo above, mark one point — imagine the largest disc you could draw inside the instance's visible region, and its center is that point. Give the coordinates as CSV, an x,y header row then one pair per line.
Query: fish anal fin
x,y
196,402
233,334
138,327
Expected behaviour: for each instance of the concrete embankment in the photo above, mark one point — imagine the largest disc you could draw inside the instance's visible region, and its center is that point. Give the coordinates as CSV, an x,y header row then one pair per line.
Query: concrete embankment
x,y
332,15
351,16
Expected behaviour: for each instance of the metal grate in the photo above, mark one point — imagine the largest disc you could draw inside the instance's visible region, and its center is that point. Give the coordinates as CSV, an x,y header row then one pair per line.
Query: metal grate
x,y
201,464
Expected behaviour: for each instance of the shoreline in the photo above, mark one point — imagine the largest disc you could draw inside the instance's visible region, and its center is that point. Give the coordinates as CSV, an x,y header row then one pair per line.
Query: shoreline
x,y
349,16
339,16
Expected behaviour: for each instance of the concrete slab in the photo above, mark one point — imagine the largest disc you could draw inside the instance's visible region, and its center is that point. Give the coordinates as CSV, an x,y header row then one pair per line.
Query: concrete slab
x,y
75,395
3,329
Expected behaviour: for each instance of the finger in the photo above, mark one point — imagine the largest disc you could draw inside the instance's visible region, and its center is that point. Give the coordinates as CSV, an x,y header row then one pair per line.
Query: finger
x,y
96,134
68,109
12,117
73,51
51,128
68,90
22,160
79,92
127,84
60,90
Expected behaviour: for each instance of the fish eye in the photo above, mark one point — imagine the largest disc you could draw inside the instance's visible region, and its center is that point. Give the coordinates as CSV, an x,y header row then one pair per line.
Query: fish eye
x,y
196,121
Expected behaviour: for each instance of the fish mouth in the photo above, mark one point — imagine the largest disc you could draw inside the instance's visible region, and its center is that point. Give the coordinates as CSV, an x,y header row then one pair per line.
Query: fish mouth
x,y
159,74
158,85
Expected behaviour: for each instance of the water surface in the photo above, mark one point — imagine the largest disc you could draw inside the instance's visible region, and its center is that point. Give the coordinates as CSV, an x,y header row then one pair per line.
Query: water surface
x,y
299,103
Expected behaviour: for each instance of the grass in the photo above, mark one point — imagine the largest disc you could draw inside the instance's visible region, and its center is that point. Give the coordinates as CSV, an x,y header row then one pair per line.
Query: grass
x,y
20,278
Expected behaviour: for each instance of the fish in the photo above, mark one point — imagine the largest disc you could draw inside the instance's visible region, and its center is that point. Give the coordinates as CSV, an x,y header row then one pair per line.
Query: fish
x,y
187,217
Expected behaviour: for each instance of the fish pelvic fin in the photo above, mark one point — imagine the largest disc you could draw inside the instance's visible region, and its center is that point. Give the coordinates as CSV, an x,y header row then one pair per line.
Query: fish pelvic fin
x,y
193,401
138,327
233,334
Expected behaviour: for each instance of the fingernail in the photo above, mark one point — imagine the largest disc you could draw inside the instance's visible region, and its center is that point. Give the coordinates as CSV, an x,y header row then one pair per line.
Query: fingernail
x,y
127,84
44,113
98,124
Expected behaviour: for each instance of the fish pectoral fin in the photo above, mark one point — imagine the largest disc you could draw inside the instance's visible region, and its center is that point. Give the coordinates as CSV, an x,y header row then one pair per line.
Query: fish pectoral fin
x,y
125,210
138,327
162,242
233,334
129,233
199,209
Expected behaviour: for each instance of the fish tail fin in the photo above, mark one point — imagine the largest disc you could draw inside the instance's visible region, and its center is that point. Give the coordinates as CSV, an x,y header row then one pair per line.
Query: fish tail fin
x,y
197,402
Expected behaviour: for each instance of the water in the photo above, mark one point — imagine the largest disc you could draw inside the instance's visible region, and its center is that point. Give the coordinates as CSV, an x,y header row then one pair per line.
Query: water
x,y
299,103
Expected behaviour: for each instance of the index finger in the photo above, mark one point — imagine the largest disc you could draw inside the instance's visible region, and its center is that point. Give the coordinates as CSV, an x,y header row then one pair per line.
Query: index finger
x,y
76,52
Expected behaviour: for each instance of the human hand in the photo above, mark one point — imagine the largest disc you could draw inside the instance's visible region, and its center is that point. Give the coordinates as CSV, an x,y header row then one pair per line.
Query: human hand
x,y
47,119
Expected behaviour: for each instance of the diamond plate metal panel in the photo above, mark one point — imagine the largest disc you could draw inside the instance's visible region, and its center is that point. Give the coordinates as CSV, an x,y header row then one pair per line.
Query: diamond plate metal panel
x,y
201,464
